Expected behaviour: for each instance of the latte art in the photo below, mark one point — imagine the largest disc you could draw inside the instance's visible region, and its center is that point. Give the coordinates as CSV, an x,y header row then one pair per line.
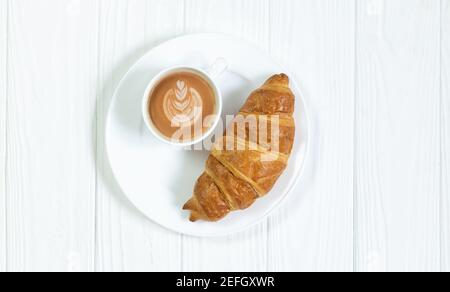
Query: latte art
x,y
183,105
180,106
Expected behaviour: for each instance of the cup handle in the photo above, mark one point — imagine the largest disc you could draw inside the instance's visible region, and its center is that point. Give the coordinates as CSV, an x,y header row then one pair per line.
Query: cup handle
x,y
217,68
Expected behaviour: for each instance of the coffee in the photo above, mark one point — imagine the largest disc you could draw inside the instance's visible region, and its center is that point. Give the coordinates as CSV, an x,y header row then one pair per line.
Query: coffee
x,y
181,106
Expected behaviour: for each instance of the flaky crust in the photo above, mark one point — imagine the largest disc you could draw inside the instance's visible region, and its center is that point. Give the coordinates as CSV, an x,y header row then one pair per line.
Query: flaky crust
x,y
236,176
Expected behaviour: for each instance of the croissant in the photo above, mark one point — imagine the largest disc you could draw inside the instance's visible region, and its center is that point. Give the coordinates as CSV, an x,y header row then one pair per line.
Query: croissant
x,y
242,166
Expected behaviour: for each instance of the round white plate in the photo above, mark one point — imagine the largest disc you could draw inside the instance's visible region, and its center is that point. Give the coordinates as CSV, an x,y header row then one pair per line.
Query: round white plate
x,y
159,179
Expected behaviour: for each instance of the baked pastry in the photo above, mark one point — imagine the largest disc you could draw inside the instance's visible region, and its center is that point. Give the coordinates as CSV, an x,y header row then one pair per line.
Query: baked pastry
x,y
246,162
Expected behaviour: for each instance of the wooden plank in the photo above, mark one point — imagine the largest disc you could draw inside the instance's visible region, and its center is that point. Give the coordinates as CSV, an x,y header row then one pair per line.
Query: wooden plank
x,y
51,171
246,19
398,136
314,230
3,94
126,241
246,251
445,122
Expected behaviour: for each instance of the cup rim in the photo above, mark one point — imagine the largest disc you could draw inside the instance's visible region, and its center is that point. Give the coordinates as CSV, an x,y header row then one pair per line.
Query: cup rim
x,y
147,97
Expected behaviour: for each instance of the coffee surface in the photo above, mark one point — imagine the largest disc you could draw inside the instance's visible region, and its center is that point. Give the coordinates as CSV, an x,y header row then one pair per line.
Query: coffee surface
x,y
180,105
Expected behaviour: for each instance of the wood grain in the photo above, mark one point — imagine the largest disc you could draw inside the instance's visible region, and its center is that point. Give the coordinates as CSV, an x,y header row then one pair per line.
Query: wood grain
x,y
398,136
246,251
313,231
3,104
126,241
51,98
376,192
445,125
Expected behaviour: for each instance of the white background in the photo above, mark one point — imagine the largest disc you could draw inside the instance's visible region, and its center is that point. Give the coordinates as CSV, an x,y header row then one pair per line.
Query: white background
x,y
376,194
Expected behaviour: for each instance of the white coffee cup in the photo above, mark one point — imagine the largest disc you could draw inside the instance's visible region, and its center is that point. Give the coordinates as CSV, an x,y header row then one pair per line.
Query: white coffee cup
x,y
209,75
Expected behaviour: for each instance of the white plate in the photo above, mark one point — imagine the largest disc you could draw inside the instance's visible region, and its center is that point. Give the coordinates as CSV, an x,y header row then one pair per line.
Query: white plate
x,y
159,179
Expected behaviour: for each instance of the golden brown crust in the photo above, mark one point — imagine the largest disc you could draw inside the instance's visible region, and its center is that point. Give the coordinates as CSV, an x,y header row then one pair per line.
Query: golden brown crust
x,y
252,166
274,97
208,203
281,141
242,168
240,193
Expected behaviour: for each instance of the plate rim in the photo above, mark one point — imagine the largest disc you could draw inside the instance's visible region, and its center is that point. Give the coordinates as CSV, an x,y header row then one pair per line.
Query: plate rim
x,y
284,196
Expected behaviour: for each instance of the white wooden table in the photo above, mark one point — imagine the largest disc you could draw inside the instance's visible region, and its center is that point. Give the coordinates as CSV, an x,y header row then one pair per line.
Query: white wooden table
x,y
376,194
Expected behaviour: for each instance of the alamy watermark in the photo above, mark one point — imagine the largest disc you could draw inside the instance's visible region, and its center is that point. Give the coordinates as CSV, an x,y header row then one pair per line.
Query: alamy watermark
x,y
245,132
